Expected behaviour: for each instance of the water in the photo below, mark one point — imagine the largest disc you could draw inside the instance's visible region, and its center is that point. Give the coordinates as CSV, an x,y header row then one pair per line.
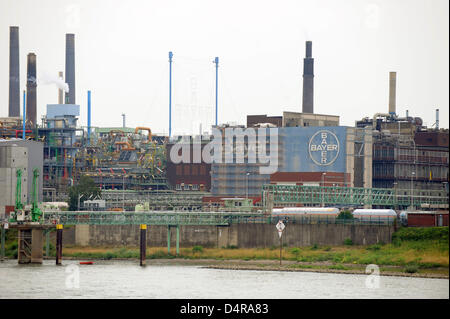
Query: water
x,y
125,279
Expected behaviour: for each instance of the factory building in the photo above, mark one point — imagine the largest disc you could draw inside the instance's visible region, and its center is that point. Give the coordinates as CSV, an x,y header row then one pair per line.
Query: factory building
x,y
407,156
19,154
190,174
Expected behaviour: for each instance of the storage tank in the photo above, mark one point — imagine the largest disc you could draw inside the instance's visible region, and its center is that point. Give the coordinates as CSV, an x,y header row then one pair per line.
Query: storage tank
x,y
322,211
375,215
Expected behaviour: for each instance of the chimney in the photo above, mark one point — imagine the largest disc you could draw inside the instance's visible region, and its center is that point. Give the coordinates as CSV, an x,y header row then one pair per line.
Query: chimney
x,y
14,81
308,80
70,68
437,119
31,89
60,91
392,92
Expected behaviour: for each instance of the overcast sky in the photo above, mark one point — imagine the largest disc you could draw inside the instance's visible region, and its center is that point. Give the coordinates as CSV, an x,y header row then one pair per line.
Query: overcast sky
x,y
121,55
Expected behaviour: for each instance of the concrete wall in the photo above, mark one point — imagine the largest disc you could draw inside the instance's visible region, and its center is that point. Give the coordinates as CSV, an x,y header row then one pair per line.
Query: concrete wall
x,y
241,235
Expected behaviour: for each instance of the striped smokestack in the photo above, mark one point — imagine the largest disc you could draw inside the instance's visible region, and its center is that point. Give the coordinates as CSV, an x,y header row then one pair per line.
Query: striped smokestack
x,y
70,68
14,81
31,89
392,91
308,80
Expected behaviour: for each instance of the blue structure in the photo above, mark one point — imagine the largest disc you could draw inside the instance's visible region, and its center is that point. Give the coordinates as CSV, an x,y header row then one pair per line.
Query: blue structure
x,y
89,119
170,93
312,149
216,61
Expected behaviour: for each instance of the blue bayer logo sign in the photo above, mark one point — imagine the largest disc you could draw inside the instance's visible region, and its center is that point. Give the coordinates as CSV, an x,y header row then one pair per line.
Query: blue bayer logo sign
x,y
323,147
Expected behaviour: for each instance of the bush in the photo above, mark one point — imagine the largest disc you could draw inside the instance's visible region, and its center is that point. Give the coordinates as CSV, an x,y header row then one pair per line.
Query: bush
x,y
421,233
348,242
411,269
345,214
327,248
232,247
109,255
314,247
374,247
197,249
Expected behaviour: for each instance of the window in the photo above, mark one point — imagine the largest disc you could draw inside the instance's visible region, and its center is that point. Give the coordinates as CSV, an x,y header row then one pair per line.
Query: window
x,y
178,187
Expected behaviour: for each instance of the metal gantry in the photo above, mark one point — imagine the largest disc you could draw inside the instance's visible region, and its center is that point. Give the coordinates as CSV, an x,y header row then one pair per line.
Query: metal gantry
x,y
356,196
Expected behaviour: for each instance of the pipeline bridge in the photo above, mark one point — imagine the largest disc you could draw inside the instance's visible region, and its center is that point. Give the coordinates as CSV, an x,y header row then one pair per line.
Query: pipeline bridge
x,y
290,195
167,218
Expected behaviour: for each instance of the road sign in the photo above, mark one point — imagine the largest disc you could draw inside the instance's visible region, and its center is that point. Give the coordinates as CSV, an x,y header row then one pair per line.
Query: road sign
x,y
280,227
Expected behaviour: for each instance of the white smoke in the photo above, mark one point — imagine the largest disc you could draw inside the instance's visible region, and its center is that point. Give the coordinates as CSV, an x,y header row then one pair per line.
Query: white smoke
x,y
53,79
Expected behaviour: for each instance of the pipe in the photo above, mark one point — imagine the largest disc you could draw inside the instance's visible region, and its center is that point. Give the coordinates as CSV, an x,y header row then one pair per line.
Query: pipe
x,y
23,134
216,61
89,118
31,89
374,121
137,129
60,91
70,68
437,119
14,73
170,93
392,92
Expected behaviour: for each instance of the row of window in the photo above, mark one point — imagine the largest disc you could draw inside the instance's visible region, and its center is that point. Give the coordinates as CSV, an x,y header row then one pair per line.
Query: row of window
x,y
190,170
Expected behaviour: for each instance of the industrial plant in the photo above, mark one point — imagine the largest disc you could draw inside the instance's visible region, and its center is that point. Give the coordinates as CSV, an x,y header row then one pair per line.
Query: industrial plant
x,y
385,161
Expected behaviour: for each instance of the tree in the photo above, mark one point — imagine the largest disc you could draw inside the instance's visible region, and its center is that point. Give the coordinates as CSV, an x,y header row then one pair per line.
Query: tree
x,y
345,214
84,190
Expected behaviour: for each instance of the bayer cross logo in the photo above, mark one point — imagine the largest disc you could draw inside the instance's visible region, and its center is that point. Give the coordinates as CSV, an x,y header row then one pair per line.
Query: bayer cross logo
x,y
323,148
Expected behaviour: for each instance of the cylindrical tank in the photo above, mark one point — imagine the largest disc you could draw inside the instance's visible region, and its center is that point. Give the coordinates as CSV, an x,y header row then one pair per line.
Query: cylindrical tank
x,y
323,211
375,215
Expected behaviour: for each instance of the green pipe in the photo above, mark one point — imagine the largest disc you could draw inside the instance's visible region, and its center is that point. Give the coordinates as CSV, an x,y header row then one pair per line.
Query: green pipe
x,y
168,239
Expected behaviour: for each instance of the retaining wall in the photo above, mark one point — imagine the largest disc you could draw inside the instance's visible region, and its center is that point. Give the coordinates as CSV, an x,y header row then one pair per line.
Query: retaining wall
x,y
240,235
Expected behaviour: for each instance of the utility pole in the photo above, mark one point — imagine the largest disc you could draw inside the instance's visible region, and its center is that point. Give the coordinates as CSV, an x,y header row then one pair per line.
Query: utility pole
x,y
216,62
170,93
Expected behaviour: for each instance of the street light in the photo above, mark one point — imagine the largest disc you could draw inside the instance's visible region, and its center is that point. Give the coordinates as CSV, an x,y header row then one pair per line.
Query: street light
x,y
412,189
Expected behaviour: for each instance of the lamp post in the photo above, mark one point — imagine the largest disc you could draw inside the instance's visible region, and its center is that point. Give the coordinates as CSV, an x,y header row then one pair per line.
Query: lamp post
x,y
412,189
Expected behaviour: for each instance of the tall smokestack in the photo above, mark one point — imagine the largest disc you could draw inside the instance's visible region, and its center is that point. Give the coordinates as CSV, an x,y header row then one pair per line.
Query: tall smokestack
x,y
14,81
31,89
70,68
60,91
437,119
392,91
308,80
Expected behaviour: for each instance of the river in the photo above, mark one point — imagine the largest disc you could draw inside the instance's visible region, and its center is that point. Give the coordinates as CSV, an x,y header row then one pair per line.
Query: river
x,y
125,279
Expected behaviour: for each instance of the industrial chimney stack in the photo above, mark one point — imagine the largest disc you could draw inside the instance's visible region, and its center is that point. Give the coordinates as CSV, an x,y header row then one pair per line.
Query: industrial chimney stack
x,y
70,68
308,80
14,81
31,89
392,92
60,91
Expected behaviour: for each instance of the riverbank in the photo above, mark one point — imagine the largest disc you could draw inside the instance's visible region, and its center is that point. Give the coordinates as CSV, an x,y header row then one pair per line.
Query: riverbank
x,y
287,265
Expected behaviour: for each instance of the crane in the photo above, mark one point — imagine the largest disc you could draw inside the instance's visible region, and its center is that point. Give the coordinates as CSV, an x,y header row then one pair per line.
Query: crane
x,y
36,213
